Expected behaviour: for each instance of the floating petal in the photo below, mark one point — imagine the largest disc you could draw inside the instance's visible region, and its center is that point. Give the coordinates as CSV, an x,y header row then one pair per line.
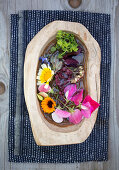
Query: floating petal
x,y
94,104
44,88
85,109
78,97
62,113
56,118
70,90
76,117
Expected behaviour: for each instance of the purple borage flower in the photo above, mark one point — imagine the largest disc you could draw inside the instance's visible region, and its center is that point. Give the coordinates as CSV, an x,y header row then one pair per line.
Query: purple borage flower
x,y
44,60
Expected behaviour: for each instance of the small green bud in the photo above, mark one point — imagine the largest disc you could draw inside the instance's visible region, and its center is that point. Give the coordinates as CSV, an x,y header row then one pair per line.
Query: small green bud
x,y
51,91
53,49
40,97
60,56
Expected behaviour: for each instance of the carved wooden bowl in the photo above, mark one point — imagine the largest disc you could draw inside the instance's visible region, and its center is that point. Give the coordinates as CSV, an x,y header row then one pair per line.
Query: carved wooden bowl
x,y
46,133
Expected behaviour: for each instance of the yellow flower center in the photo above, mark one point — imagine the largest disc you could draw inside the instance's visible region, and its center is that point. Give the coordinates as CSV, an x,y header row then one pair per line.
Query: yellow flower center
x,y
46,75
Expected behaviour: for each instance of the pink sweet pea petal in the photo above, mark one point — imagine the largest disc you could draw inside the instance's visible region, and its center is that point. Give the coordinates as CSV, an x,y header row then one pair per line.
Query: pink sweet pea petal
x,y
42,88
70,90
85,110
76,117
62,113
78,97
93,104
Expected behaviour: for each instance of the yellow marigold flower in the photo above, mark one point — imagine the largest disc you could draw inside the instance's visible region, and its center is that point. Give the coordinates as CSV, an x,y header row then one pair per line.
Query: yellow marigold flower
x,y
45,74
48,105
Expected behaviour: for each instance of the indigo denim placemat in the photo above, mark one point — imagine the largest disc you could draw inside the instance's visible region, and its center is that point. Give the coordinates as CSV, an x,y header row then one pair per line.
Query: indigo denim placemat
x,y
21,144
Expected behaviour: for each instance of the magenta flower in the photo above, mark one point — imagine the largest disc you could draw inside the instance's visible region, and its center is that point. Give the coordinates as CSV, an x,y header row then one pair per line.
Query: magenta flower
x,y
77,97
73,94
85,109
87,106
93,104
70,90
44,88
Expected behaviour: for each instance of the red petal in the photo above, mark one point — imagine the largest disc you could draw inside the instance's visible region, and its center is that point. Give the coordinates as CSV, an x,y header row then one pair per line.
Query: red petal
x,y
94,104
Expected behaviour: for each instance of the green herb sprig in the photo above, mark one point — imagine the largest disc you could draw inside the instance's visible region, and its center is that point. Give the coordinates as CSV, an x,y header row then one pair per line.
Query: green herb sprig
x,y
66,43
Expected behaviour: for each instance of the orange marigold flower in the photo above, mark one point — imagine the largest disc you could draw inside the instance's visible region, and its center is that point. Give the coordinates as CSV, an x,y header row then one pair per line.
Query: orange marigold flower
x,y
48,105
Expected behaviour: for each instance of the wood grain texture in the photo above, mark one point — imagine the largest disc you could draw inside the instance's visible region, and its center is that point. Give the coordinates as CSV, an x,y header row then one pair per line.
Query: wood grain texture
x,y
107,6
51,134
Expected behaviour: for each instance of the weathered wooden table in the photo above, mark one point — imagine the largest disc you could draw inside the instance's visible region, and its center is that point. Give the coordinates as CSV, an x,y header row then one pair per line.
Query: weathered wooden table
x,y
13,6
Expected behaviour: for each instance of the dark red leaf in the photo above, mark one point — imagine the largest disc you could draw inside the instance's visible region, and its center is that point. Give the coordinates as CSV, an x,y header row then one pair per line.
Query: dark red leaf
x,y
71,62
68,55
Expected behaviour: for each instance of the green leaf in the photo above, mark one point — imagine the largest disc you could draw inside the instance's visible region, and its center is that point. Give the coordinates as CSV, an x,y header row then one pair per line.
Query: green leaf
x,y
75,49
60,42
51,91
59,34
57,47
65,42
79,106
53,49
59,107
71,109
60,56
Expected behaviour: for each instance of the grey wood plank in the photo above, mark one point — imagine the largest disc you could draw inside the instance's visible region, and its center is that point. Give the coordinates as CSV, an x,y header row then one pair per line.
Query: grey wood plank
x,y
116,85
23,5
4,77
34,4
11,8
107,6
114,129
49,4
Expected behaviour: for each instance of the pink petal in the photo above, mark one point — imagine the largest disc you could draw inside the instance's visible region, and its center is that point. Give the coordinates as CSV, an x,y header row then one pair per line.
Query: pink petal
x,y
42,88
70,90
76,117
78,97
85,110
62,113
93,104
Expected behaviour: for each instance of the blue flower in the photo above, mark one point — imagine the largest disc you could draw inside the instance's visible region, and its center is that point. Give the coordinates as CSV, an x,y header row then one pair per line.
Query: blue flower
x,y
44,60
